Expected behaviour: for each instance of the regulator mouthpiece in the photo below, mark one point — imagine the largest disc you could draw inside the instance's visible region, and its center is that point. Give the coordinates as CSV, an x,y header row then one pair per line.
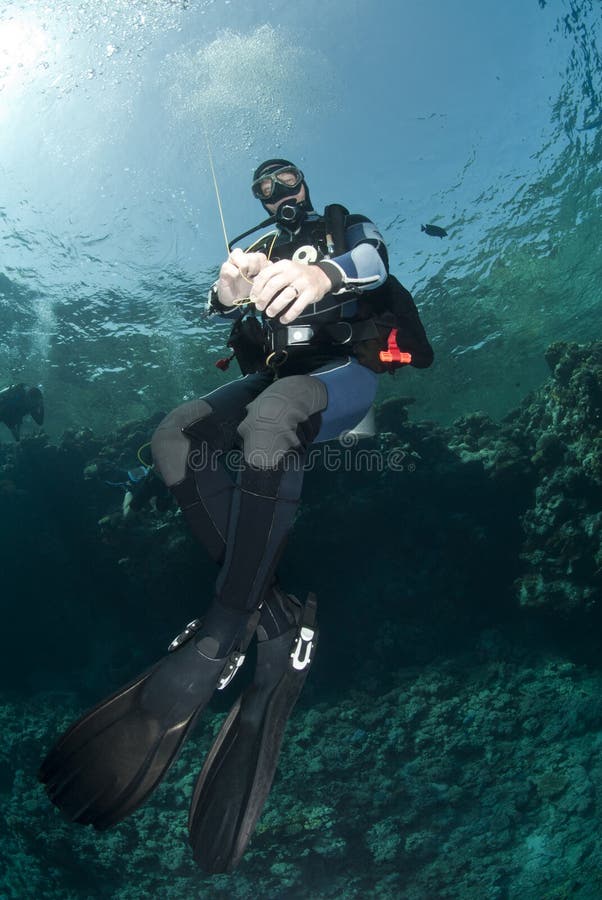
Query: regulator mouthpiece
x,y
291,215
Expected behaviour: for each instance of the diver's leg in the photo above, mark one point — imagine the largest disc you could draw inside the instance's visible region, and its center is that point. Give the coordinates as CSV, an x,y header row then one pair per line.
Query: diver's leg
x,y
237,775
256,514
187,447
351,391
279,426
108,762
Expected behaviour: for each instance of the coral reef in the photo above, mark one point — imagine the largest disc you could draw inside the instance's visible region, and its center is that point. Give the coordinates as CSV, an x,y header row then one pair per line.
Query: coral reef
x,y
563,526
477,776
447,743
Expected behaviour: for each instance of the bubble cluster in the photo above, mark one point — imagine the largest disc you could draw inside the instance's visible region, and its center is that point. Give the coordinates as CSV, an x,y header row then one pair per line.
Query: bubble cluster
x,y
240,85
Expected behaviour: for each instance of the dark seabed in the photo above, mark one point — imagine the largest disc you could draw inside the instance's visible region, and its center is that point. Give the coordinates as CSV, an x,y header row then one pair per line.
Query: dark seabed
x,y
448,742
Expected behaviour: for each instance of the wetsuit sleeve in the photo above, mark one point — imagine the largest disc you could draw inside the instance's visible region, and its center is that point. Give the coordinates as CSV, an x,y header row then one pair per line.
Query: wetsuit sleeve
x,y
365,265
217,309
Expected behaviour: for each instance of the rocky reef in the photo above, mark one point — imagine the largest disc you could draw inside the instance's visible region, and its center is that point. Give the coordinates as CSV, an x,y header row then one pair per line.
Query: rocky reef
x,y
447,743
563,527
553,443
477,775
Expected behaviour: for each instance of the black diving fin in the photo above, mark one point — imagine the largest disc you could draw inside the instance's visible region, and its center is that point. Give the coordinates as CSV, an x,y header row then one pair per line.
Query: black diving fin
x,y
236,778
109,761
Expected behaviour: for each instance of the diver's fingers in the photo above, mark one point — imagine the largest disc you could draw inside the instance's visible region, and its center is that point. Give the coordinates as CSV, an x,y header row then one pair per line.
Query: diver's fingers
x,y
236,257
281,301
304,299
269,291
284,267
229,272
248,264
245,264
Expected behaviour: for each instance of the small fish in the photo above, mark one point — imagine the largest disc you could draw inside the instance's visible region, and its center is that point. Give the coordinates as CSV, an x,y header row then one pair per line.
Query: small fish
x,y
434,230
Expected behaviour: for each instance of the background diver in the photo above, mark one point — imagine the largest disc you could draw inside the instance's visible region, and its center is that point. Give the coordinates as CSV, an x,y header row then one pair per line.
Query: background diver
x,y
18,401
140,483
304,382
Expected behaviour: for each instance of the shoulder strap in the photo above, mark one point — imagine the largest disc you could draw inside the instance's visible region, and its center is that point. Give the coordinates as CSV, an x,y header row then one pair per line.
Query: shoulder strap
x,y
335,216
239,237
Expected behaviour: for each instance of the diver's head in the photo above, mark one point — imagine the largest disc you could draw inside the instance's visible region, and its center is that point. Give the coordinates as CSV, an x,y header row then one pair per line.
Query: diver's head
x,y
35,405
280,186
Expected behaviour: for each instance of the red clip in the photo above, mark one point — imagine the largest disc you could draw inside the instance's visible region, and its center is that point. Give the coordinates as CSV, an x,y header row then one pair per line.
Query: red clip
x,y
224,362
393,353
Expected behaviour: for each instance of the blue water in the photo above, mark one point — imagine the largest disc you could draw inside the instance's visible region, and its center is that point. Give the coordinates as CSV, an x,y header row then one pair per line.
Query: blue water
x,y
484,119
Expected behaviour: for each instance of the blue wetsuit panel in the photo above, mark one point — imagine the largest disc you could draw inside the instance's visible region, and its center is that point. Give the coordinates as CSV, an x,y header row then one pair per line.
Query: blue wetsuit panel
x,y
351,391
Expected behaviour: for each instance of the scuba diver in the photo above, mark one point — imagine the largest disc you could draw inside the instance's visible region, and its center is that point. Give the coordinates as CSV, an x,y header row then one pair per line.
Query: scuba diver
x,y
140,484
18,401
316,317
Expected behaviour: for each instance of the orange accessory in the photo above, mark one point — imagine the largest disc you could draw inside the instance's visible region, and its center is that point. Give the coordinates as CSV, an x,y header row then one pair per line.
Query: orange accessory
x,y
393,353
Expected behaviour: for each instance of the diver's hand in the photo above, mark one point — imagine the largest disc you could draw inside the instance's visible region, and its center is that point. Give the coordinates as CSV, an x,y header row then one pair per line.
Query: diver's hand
x,y
232,284
290,286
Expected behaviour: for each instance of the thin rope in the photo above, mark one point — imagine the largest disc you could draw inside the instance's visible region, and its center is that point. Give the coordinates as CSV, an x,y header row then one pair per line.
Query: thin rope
x,y
245,300
217,194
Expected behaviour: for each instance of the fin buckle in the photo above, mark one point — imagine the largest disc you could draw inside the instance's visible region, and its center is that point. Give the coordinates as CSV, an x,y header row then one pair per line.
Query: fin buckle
x,y
234,663
302,648
185,635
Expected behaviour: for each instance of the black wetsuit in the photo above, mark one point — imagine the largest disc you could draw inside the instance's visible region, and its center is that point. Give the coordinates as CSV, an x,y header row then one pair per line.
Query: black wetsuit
x,y
241,510
244,522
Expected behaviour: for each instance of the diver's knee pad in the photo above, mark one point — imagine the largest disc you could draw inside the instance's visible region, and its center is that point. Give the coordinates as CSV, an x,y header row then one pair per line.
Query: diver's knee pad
x,y
170,445
283,417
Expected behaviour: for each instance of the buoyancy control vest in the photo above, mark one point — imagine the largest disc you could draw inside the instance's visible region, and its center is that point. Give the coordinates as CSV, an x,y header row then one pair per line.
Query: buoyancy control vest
x,y
385,333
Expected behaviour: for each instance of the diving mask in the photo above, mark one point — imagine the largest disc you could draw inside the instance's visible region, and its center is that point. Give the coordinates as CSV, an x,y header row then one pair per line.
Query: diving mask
x,y
275,185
